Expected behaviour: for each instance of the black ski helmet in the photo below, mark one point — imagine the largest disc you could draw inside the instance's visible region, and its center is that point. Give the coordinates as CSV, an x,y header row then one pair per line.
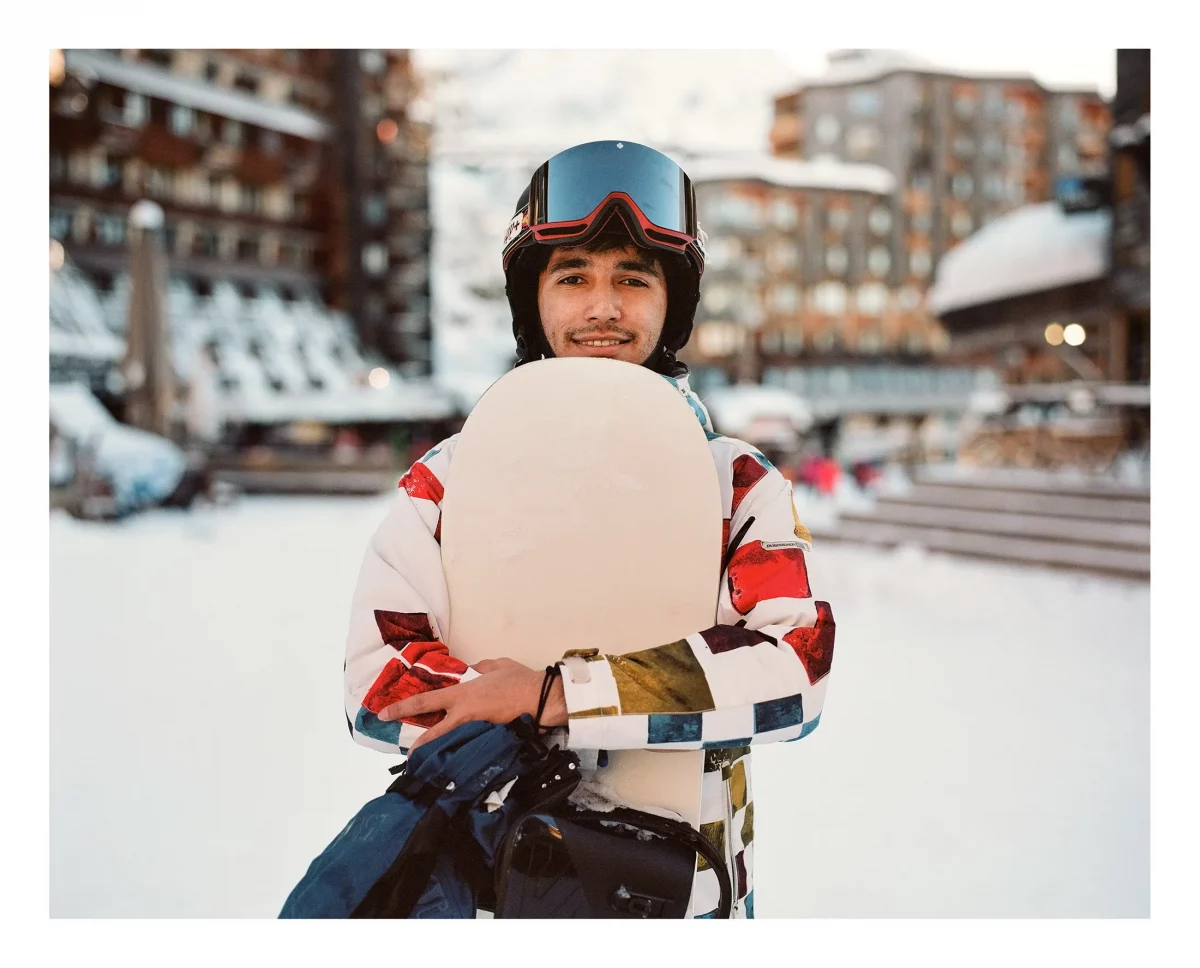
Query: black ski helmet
x,y
574,197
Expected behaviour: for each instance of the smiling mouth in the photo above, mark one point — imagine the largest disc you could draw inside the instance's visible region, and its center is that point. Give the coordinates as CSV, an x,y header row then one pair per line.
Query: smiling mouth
x,y
601,342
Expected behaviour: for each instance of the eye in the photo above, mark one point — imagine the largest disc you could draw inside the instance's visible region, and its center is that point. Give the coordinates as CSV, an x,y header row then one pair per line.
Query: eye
x,y
634,281
571,280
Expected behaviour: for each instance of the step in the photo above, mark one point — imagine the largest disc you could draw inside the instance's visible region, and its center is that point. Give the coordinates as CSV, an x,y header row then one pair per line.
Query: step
x,y
1047,527
1033,482
1026,502
1029,551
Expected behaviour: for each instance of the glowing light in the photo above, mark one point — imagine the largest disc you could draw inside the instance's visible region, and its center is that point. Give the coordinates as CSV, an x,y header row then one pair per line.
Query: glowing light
x,y
379,378
386,131
1074,335
79,103
58,255
58,67
1054,334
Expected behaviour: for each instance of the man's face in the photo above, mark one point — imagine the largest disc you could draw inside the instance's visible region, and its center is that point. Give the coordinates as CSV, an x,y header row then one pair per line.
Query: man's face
x,y
611,304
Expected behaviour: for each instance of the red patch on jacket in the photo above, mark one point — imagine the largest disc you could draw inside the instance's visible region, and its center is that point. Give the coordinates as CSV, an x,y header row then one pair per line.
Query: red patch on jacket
x,y
746,473
814,645
398,680
724,538
757,574
724,638
400,628
421,482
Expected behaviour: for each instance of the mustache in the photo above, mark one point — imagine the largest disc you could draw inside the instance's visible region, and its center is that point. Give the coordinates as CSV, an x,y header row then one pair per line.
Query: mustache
x,y
593,331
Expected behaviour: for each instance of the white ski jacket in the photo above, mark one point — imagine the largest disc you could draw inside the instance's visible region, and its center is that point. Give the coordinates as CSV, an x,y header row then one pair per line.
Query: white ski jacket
x,y
758,676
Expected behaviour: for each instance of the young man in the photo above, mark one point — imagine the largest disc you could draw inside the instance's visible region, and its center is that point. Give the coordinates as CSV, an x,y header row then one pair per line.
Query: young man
x,y
604,258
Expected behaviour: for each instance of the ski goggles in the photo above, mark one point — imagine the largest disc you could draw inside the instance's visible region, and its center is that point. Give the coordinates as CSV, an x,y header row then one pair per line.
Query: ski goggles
x,y
573,195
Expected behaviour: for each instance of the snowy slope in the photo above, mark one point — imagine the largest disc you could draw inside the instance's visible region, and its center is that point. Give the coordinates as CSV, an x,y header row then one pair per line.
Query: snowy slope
x,y
499,114
984,749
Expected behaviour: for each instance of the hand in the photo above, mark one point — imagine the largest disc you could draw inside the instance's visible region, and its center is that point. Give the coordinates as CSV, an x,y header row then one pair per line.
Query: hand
x,y
503,691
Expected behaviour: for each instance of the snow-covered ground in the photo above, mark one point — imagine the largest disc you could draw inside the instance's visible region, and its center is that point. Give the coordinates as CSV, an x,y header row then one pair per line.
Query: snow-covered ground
x,y
984,749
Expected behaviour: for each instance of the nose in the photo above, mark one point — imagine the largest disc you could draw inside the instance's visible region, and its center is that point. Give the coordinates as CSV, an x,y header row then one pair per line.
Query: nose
x,y
605,305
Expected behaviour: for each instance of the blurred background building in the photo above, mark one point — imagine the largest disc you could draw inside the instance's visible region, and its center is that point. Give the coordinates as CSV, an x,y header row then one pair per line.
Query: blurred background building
x,y
294,191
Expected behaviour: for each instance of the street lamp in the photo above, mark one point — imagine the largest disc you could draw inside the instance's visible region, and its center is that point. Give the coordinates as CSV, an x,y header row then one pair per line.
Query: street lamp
x,y
1074,335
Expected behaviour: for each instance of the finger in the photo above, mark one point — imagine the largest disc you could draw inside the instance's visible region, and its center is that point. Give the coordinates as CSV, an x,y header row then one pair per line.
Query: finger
x,y
422,702
433,732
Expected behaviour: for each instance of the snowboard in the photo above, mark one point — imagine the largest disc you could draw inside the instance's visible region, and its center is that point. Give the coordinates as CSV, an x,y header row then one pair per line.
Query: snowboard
x,y
582,510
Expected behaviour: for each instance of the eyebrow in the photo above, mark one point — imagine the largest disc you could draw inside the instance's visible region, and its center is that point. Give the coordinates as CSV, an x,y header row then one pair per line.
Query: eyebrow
x,y
628,265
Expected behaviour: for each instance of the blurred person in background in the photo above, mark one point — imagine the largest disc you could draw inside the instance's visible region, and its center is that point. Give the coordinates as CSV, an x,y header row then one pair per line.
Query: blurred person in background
x,y
624,286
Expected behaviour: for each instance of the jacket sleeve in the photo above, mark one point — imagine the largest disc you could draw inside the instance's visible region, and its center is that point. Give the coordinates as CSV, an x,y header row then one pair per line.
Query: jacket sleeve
x,y
758,676
400,608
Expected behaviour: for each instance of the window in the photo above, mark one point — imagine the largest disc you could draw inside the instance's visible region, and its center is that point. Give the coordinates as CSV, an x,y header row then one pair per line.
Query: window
x,y
722,251
993,186
879,260
737,211
783,214
785,298
170,235
375,209
231,133
782,256
964,146
58,166
251,199
110,229
1016,190
719,339
372,61
246,81
826,341
838,219
136,110
861,141
827,129
160,182
993,147
962,224
1016,111
964,106
909,298
870,340
830,298
1068,114
181,120
993,104
60,224
717,299
837,259
880,220
921,222
1068,158
375,258
211,70
920,263
872,299
271,143
771,342
866,102
921,181
962,185
248,248
204,243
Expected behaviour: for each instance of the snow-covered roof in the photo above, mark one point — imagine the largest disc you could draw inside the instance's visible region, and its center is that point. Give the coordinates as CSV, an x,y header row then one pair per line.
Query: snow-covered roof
x,y
823,172
860,66
195,93
1032,248
736,409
